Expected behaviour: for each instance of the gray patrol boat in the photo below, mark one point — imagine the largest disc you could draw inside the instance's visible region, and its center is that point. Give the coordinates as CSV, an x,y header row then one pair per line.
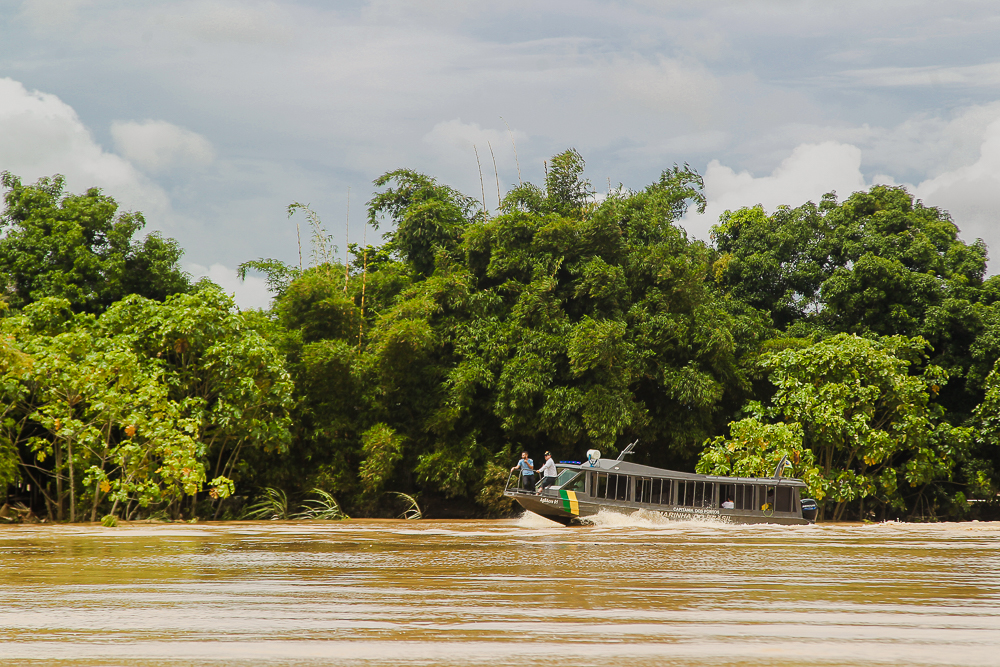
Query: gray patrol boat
x,y
584,489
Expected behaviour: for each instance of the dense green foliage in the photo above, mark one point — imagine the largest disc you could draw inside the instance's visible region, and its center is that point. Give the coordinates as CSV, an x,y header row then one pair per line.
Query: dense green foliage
x,y
857,338
79,248
857,417
138,407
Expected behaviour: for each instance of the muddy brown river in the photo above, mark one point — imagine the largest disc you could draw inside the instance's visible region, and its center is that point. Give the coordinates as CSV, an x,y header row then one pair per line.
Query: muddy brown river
x,y
518,592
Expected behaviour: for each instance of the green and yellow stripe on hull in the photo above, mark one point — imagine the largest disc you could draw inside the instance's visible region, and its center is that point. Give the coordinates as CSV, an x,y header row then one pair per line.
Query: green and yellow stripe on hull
x,y
569,501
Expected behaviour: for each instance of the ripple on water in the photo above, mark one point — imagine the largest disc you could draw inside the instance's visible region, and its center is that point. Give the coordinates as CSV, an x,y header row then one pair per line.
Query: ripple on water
x,y
526,591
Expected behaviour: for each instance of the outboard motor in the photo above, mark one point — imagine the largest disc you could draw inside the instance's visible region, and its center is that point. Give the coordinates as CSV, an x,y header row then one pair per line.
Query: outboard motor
x,y
809,510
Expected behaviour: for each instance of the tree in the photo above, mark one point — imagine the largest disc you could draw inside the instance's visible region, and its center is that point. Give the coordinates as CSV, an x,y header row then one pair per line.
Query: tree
x,y
218,367
90,423
982,471
873,263
778,262
427,216
755,448
866,411
566,194
80,248
596,324
559,321
881,263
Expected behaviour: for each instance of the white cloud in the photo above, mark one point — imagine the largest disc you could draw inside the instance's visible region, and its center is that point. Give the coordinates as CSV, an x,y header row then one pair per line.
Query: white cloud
x,y
807,174
249,293
303,100
158,145
40,135
971,193
667,85
464,136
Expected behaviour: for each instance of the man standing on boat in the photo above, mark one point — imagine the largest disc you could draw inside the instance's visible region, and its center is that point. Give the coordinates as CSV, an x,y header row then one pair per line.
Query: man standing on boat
x,y
549,473
527,467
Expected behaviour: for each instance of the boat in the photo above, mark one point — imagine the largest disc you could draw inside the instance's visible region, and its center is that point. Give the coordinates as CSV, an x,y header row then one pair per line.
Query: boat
x,y
583,489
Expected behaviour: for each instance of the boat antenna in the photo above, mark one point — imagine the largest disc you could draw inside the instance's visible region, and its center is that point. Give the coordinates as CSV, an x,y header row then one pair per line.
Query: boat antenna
x,y
627,450
781,468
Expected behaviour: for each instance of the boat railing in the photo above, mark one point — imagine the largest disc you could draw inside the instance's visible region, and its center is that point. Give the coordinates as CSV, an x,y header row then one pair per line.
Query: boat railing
x,y
515,476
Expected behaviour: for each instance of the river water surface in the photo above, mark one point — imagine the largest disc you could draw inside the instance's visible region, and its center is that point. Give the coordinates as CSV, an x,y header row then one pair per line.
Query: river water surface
x,y
518,592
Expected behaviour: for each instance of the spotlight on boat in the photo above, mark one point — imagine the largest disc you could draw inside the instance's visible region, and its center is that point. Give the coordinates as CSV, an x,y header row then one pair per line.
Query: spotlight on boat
x,y
593,456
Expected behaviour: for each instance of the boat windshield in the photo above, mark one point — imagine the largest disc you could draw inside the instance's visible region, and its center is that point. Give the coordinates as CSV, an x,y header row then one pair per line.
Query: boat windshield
x,y
571,480
565,476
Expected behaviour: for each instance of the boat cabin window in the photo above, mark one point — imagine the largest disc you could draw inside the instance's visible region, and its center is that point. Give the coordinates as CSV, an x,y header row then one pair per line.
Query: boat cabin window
x,y
727,492
598,485
743,497
652,491
647,490
783,503
643,490
610,486
661,492
755,497
620,487
572,480
780,501
565,475
695,494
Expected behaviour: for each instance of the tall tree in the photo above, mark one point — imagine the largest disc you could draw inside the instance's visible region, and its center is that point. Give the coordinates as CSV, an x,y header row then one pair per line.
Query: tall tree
x,y
219,366
427,216
879,263
80,248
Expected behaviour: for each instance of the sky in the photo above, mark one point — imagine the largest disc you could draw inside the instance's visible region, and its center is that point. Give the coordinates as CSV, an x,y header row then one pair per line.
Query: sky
x,y
211,117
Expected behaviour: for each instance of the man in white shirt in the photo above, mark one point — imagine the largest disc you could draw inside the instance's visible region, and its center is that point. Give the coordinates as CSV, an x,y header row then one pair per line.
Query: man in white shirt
x,y
549,474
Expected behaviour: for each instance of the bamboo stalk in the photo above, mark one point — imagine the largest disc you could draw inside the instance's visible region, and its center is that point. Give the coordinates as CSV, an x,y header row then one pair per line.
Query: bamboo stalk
x,y
495,173
347,242
481,185
364,278
298,238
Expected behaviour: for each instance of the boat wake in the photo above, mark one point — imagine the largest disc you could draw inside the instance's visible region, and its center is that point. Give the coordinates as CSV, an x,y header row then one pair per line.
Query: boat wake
x,y
645,519
531,520
607,519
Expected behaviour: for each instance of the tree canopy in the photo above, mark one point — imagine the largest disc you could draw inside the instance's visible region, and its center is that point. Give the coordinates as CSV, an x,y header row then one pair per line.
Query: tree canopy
x,y
859,338
80,248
